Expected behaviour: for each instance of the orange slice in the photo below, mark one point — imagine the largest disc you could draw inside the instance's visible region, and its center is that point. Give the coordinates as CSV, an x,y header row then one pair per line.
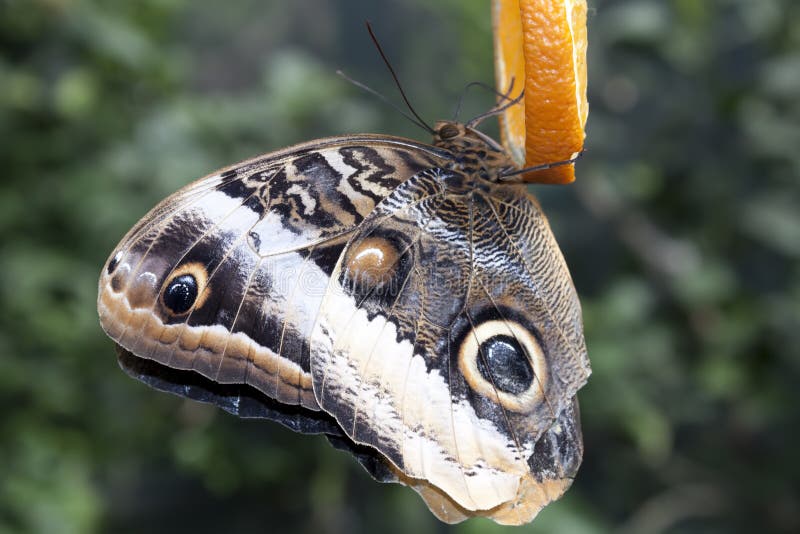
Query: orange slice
x,y
541,45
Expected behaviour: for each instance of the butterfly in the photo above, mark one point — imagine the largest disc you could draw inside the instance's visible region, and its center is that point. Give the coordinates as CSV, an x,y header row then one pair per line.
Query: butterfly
x,y
406,300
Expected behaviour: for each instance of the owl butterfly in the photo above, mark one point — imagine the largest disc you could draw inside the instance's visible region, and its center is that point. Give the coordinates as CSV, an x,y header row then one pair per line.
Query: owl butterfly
x,y
408,301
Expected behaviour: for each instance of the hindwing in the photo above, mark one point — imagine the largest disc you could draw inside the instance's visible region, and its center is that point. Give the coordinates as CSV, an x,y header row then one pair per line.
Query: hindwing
x,y
454,359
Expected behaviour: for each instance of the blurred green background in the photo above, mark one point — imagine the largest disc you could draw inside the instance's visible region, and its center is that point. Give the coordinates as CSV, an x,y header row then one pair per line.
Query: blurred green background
x,y
682,233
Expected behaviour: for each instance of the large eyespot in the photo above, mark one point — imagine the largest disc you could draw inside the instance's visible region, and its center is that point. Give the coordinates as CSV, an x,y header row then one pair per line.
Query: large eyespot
x,y
185,289
503,361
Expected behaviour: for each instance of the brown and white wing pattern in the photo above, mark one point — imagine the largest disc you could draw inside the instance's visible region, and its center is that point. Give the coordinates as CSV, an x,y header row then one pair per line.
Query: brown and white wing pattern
x,y
450,340
226,276
401,298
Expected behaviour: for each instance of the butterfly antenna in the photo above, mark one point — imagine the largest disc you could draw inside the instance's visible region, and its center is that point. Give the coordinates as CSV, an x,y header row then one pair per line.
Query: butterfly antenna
x,y
497,110
383,99
396,80
498,94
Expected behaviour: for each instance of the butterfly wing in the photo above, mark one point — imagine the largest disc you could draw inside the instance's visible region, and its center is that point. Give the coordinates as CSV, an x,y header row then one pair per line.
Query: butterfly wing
x,y
435,322
450,340
225,277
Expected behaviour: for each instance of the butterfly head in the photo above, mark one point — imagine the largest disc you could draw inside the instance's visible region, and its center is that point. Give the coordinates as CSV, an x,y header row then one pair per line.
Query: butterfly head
x,y
474,150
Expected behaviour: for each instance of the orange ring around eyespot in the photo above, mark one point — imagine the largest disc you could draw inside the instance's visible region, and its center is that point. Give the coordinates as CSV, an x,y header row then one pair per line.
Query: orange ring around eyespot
x,y
469,352
541,45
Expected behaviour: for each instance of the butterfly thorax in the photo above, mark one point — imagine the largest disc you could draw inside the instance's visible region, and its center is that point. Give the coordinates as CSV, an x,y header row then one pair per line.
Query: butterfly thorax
x,y
474,153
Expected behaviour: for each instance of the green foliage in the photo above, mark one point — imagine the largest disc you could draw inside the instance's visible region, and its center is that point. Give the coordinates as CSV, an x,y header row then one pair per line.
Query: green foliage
x,y
682,233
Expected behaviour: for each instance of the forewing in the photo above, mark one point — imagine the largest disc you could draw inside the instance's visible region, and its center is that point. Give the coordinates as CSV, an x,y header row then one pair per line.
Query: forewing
x,y
226,276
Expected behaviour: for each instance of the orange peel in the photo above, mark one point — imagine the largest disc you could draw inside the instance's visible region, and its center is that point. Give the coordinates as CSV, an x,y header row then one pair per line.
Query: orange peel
x,y
541,46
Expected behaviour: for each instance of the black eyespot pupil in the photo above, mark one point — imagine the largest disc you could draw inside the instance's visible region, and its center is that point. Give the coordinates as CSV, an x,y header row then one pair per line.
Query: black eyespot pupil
x,y
114,262
447,131
181,293
503,362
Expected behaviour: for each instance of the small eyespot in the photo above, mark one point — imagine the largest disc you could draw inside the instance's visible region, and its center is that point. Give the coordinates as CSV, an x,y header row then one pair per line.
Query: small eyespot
x,y
112,264
374,268
503,361
185,289
180,294
372,262
448,131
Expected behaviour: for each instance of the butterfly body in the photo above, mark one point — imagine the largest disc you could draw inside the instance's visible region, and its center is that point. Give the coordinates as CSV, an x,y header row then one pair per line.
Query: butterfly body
x,y
402,298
